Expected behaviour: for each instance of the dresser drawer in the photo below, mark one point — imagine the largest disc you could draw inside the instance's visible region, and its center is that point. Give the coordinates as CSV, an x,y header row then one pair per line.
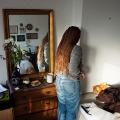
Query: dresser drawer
x,y
35,107
22,97
46,115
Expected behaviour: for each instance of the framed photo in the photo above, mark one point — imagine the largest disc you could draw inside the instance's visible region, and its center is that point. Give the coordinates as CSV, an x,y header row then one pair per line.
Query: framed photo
x,y
22,30
32,35
20,38
13,29
13,36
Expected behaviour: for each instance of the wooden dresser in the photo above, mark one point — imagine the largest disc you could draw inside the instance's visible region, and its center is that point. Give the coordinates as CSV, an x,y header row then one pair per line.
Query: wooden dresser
x,y
38,103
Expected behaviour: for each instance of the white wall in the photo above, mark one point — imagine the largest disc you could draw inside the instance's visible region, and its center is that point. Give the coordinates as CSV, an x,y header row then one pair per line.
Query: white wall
x,y
37,21
100,38
62,20
77,12
101,42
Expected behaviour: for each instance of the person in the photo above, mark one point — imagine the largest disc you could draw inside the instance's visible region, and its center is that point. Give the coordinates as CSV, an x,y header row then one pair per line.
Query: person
x,y
68,70
43,55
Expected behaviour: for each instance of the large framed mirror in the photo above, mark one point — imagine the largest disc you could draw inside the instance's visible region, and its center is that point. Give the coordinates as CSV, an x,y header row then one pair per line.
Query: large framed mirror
x,y
28,27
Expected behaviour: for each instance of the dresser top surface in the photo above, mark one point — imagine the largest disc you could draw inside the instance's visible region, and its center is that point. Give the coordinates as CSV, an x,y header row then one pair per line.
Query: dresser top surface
x,y
24,87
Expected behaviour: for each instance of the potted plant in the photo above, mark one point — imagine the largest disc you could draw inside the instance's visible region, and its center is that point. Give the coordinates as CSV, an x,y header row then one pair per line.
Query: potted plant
x,y
16,55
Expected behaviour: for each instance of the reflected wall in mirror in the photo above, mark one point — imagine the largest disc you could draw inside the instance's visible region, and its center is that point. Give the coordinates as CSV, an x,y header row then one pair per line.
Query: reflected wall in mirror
x,y
29,39
31,29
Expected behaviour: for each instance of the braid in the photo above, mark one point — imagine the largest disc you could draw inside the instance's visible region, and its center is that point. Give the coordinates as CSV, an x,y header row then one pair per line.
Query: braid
x,y
68,41
40,55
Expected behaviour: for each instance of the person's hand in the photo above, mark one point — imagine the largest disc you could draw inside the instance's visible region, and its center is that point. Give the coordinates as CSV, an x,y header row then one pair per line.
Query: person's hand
x,y
82,74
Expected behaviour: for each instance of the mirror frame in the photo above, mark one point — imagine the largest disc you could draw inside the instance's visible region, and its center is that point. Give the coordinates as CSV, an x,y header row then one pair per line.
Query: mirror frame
x,y
49,12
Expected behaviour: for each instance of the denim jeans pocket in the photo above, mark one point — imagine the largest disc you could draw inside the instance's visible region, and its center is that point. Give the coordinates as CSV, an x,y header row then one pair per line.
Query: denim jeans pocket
x,y
69,87
57,84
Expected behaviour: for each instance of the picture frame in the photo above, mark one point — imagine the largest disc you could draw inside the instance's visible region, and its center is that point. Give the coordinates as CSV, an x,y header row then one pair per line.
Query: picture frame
x,y
32,35
22,30
20,38
13,29
14,37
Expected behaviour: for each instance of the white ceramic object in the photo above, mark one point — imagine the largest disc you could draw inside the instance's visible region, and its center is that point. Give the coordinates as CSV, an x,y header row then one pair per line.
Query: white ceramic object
x,y
49,78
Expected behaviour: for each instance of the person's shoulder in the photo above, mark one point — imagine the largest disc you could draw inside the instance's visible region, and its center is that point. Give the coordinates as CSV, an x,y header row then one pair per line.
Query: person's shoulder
x,y
77,48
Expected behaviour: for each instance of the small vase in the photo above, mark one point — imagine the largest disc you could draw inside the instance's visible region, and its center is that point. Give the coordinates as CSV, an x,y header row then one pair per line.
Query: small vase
x,y
16,77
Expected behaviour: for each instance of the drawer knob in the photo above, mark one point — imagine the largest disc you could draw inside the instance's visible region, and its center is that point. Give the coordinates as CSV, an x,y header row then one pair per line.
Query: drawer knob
x,y
48,92
25,108
24,96
48,103
48,114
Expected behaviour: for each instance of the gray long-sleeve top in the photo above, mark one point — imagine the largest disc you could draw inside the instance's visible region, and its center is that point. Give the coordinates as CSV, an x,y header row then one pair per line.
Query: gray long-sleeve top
x,y
74,65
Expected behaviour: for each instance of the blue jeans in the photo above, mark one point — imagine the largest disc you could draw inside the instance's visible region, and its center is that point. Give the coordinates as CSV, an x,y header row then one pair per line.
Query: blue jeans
x,y
68,92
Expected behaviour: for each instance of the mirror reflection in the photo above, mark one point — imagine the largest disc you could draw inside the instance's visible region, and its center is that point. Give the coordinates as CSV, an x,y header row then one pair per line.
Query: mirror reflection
x,y
43,55
31,33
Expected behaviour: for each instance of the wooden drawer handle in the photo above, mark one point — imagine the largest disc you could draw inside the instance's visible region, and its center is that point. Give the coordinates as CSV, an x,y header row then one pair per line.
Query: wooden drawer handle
x,y
24,96
48,114
25,108
48,92
48,103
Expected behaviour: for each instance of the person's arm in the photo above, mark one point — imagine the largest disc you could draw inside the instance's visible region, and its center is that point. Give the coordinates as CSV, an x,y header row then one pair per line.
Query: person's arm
x,y
75,65
75,57
82,73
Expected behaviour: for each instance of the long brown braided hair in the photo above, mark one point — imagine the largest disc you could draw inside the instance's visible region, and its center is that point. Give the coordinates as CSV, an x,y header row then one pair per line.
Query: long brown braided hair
x,y
40,55
68,41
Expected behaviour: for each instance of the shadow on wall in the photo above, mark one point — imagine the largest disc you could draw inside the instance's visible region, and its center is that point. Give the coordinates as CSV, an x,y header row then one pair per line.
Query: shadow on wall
x,y
89,54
